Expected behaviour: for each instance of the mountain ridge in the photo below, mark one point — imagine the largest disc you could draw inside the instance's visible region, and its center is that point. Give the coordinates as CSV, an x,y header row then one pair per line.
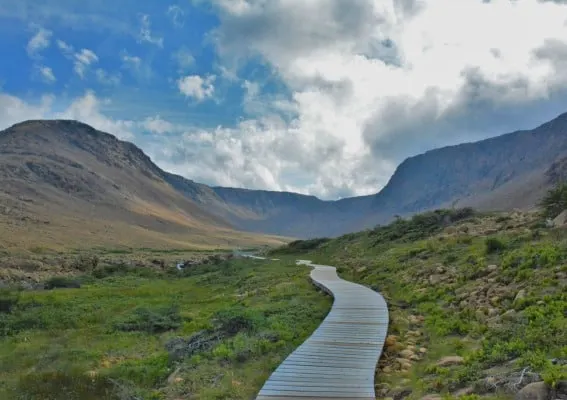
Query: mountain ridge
x,y
501,172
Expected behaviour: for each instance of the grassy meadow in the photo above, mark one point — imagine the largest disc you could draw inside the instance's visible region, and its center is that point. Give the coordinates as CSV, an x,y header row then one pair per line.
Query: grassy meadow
x,y
213,331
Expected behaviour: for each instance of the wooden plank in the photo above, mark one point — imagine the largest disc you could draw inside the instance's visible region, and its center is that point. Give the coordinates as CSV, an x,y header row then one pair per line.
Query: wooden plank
x,y
338,361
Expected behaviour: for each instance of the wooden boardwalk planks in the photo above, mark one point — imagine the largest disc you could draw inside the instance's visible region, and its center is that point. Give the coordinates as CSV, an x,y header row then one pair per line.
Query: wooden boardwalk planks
x,y
338,360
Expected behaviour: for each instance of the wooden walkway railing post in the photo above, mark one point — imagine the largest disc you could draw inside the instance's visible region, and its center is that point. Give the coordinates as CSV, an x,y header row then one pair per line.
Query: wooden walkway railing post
x,y
338,361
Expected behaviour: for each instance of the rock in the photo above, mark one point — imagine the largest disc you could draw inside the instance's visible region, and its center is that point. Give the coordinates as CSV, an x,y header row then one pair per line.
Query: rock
x,y
422,350
495,300
400,393
431,397
391,340
540,303
561,219
492,268
492,312
510,315
450,360
413,319
407,354
534,391
174,378
480,315
520,295
435,279
464,392
403,363
441,269
387,369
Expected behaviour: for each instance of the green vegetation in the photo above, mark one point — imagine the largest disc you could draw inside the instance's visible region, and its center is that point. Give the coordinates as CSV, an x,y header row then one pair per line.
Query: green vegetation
x,y
488,288
213,331
555,201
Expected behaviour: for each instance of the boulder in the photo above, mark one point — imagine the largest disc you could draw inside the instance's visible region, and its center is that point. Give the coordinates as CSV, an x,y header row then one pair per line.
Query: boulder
x,y
510,315
450,360
407,354
431,397
391,340
464,392
520,295
561,219
492,312
534,391
492,268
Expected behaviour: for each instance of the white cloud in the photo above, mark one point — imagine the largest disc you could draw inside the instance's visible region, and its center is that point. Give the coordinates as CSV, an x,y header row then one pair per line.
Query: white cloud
x,y
184,59
107,78
145,34
136,66
372,82
86,108
65,48
14,109
177,15
131,61
46,74
83,59
197,87
40,41
158,125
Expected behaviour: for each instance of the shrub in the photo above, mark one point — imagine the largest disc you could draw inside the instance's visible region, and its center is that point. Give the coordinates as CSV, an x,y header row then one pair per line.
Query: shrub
x,y
493,245
151,321
9,298
554,201
85,263
61,282
301,246
63,385
235,320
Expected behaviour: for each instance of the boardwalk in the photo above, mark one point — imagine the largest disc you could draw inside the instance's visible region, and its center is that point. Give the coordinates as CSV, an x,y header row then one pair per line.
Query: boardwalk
x,y
339,359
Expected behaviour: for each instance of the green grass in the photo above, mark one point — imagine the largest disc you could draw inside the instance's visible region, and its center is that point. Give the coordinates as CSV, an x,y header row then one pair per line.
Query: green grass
x,y
403,260
108,339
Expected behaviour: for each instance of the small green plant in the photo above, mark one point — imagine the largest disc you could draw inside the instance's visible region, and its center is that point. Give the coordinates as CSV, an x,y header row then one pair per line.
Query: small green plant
x,y
62,282
9,298
493,245
554,374
151,321
555,201
234,320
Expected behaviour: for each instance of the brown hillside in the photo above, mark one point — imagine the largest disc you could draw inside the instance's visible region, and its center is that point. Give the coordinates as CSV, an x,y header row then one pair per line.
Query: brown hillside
x,y
64,183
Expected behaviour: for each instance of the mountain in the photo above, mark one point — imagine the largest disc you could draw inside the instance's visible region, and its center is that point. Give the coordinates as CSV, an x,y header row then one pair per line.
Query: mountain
x,y
509,171
504,172
64,183
61,168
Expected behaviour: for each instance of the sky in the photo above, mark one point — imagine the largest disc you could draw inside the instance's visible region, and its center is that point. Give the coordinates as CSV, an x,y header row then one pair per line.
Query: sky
x,y
322,97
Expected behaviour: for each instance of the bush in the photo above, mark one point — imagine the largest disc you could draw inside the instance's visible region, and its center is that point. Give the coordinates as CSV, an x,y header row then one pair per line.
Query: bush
x,y
85,263
9,298
64,385
151,321
555,201
493,245
300,246
235,320
419,226
61,282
